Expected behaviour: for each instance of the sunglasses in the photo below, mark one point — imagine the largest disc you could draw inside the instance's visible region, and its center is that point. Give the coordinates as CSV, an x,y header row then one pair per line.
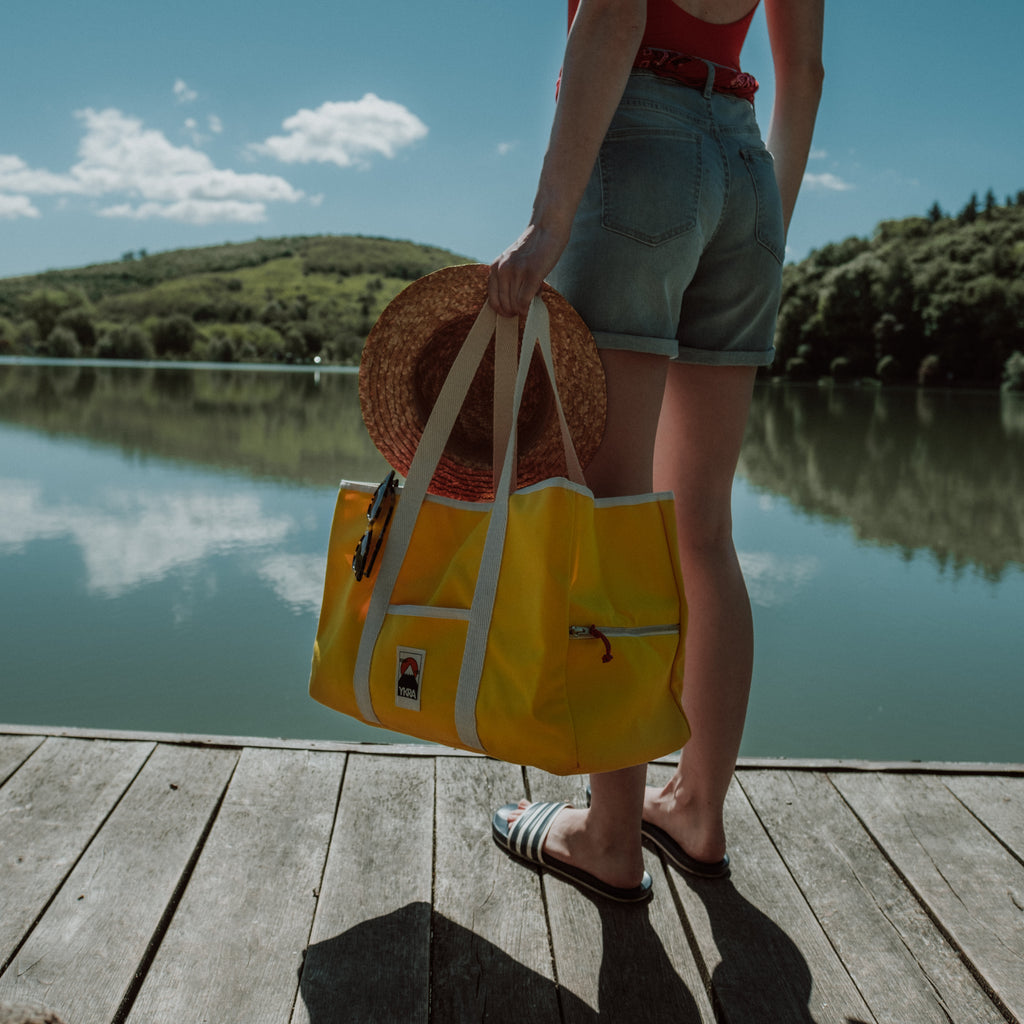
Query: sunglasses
x,y
367,549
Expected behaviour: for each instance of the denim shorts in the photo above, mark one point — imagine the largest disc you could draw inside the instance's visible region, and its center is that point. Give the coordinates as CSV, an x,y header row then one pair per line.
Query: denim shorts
x,y
678,242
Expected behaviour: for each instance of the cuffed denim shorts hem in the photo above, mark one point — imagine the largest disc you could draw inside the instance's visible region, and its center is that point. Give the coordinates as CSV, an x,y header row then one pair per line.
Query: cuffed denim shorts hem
x,y
704,357
679,354
637,343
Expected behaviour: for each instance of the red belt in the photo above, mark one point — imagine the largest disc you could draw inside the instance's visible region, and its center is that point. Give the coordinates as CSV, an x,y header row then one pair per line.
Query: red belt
x,y
694,72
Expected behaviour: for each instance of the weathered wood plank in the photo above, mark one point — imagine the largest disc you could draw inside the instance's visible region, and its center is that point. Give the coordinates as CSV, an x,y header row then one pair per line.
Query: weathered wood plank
x,y
899,960
83,955
369,952
998,802
430,750
411,749
14,750
972,885
234,946
763,949
49,811
856,764
614,962
490,958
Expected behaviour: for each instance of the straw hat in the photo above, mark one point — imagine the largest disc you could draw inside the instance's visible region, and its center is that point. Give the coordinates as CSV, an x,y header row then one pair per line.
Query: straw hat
x,y
408,355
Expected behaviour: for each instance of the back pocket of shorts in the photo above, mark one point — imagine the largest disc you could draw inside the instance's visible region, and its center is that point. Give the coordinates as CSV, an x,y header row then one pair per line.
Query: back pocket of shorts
x,y
768,228
650,183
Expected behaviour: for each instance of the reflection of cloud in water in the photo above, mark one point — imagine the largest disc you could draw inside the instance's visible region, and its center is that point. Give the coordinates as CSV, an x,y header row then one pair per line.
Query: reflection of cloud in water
x,y
774,580
135,537
297,579
22,517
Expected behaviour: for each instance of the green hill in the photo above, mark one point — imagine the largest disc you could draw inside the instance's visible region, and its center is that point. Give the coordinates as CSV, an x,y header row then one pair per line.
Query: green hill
x,y
933,300
276,300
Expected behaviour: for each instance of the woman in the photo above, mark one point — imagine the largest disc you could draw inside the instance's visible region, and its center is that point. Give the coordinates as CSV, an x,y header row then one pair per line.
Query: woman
x,y
668,233
661,217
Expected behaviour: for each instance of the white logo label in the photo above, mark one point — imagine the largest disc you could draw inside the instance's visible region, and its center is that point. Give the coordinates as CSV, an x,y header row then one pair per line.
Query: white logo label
x,y
409,677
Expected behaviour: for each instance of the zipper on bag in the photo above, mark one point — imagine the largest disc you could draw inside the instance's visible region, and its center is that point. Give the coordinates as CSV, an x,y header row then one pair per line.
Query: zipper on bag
x,y
606,633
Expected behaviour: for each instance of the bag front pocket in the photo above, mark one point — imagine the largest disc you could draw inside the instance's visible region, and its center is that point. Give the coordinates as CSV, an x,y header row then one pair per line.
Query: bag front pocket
x,y
414,674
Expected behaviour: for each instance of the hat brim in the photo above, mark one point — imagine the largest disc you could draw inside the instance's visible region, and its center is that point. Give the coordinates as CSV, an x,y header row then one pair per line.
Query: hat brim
x,y
408,355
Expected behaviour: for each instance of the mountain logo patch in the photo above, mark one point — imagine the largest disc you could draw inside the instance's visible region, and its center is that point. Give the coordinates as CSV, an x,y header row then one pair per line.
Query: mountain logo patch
x,y
409,677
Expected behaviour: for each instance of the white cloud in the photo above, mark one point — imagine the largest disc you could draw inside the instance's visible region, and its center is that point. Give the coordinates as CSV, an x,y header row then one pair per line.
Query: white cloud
x,y
118,155
817,154
192,128
504,148
213,122
827,181
191,211
184,93
17,176
16,206
345,133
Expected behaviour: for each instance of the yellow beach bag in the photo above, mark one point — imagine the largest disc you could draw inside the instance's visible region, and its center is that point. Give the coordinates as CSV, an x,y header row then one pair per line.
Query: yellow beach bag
x,y
544,628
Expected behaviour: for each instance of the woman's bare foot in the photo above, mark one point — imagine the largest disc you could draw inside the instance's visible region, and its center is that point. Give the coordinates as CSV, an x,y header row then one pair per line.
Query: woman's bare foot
x,y
610,855
699,831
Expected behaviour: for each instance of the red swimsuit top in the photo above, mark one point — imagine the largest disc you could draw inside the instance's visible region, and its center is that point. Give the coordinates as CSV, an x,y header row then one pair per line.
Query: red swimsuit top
x,y
669,27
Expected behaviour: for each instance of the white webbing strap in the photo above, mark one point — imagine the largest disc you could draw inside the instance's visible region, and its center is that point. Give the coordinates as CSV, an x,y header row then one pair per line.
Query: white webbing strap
x,y
506,335
573,469
536,332
428,454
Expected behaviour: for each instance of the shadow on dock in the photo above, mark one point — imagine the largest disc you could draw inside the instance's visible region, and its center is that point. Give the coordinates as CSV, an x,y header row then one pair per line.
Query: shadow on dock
x,y
382,969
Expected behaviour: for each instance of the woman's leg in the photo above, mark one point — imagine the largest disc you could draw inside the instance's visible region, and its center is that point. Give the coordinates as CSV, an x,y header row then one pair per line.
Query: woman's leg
x,y
605,840
698,444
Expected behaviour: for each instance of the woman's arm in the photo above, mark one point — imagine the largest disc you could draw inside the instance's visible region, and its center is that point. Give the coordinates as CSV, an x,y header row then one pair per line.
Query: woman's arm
x,y
602,44
795,30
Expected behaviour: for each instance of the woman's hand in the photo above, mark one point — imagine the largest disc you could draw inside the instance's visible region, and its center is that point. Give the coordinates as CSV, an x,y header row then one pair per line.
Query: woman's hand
x,y
518,273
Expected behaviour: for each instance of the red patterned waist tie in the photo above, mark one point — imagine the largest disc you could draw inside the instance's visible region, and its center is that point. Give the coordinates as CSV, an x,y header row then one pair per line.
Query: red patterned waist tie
x,y
693,71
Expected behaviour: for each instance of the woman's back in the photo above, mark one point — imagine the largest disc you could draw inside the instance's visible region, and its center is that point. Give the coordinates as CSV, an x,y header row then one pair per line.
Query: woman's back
x,y
714,32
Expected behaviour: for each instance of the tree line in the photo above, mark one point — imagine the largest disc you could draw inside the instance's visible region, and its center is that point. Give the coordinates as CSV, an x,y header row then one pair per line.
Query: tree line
x,y
289,300
936,300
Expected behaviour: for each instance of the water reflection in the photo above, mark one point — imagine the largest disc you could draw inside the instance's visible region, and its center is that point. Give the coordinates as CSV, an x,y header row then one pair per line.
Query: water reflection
x,y
130,538
298,580
920,471
773,580
296,426
162,540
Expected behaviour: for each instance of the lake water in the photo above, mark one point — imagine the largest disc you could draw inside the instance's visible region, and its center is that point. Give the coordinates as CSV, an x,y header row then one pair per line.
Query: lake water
x,y
163,532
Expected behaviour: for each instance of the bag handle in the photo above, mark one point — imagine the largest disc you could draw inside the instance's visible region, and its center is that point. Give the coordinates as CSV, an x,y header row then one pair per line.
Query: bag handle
x,y
505,366
537,333
428,454
456,387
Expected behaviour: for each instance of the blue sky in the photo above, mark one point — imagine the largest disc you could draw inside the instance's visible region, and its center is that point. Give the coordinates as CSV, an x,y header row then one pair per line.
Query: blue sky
x,y
135,125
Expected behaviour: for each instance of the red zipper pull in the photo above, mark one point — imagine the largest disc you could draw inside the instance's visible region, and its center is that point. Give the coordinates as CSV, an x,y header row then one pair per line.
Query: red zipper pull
x,y
598,635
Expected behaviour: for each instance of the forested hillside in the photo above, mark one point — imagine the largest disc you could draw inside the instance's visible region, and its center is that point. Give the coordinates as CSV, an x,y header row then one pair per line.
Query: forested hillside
x,y
276,300
936,300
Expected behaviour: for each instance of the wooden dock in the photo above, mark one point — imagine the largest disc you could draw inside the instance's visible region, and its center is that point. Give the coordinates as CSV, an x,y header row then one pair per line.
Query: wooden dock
x,y
179,880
